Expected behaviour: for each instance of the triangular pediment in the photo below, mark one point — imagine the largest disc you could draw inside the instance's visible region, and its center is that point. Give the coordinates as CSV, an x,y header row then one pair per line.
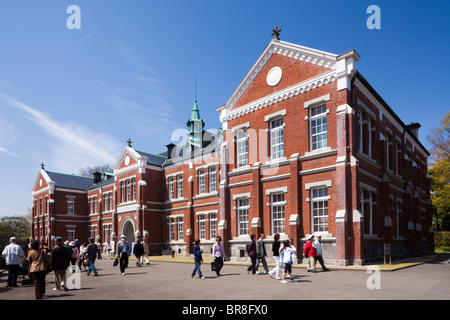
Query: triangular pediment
x,y
128,158
42,181
297,64
284,70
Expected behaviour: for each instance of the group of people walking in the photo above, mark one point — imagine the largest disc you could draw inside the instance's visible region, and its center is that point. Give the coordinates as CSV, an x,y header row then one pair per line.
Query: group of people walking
x,y
65,257
42,261
283,254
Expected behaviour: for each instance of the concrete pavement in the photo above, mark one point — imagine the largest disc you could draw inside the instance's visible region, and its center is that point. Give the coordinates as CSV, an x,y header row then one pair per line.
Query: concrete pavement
x,y
163,280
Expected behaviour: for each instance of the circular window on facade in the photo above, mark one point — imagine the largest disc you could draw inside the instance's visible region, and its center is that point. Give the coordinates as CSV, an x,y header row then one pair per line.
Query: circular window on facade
x,y
274,76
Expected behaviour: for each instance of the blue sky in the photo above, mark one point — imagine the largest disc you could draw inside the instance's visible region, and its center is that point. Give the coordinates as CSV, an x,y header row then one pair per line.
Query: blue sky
x,y
72,98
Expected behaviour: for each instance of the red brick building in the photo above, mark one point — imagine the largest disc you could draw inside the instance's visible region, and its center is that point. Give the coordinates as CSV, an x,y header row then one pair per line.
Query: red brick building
x,y
307,146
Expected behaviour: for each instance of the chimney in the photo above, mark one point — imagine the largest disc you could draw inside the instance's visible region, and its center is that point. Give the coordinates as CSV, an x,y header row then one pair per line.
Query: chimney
x,y
170,147
97,177
414,128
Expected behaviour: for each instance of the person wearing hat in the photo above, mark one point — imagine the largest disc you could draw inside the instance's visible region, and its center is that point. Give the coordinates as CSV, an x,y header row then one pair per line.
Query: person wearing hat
x,y
309,251
123,251
318,246
12,253
75,253
60,260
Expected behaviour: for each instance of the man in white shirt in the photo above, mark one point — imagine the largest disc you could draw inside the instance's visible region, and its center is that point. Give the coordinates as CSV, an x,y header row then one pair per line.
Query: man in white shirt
x,y
318,246
12,254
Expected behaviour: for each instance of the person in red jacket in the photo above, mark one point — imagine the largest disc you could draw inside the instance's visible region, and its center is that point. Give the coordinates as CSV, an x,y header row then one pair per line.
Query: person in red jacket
x,y
309,251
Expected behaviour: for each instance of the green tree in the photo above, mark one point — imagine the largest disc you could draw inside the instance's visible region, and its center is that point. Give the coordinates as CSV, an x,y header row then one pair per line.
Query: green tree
x,y
17,226
440,174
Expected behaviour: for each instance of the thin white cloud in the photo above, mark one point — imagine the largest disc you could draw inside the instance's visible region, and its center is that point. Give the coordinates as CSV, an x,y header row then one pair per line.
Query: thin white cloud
x,y
10,153
73,146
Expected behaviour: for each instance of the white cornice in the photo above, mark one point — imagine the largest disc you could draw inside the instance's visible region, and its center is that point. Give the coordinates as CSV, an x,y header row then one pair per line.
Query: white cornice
x,y
281,95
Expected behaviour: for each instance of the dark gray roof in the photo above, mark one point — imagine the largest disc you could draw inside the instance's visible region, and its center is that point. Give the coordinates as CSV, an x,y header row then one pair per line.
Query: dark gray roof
x,y
153,159
101,183
70,181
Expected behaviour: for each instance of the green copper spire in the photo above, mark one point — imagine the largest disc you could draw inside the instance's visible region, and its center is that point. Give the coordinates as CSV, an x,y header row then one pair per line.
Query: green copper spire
x,y
195,126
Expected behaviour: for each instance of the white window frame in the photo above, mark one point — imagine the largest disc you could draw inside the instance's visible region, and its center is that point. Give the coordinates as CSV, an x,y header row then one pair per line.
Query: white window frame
x,y
201,181
276,128
212,179
70,206
318,199
180,228
242,209
172,223
180,186
315,117
212,225
242,148
171,188
70,231
202,226
278,206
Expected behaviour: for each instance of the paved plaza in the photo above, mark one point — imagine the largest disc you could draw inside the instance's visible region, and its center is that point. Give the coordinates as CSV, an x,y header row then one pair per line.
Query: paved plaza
x,y
171,281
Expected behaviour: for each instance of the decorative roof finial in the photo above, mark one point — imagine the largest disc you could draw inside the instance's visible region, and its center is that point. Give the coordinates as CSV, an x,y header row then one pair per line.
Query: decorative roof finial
x,y
129,142
276,33
42,166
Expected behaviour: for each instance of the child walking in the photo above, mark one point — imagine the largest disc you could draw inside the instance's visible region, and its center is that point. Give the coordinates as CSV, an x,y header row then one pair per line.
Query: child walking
x,y
198,260
287,252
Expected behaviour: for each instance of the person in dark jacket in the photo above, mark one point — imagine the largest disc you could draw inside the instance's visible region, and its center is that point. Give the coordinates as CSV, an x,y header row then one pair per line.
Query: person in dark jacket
x,y
138,251
276,256
123,251
251,251
60,260
261,253
198,260
92,252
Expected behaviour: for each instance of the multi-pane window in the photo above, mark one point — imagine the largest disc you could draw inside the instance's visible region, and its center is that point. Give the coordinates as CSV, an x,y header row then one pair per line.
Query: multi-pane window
x,y
212,225
180,186
172,229
70,230
277,204
93,204
70,206
93,231
171,188
242,212
212,179
128,190
318,126
41,207
276,139
176,228
107,230
105,202
202,226
180,228
110,201
242,148
201,181
319,209
46,205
